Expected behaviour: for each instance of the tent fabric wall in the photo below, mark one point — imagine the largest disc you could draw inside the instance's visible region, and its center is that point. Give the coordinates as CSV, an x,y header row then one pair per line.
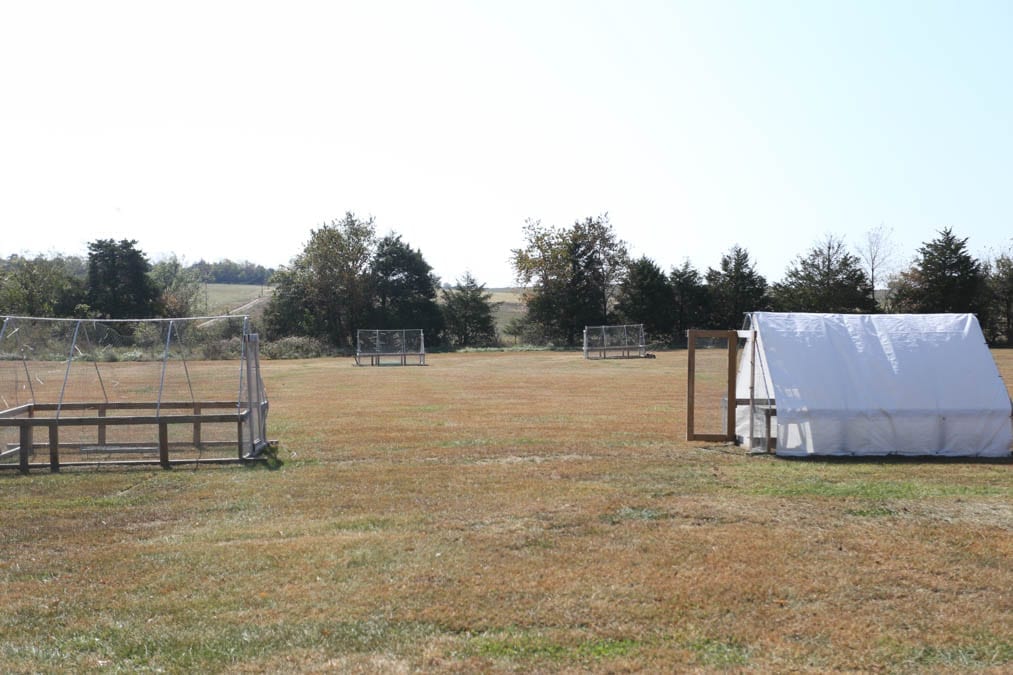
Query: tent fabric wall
x,y
911,384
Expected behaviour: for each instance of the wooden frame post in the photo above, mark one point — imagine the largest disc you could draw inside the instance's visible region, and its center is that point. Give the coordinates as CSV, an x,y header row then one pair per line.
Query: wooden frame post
x,y
24,446
196,424
54,447
163,444
733,345
102,427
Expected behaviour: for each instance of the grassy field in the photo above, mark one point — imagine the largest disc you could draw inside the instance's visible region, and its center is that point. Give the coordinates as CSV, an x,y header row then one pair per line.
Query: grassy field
x,y
235,298
250,299
507,512
510,307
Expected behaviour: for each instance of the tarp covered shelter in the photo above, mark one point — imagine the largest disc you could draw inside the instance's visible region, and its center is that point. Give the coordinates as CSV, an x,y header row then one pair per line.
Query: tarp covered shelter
x,y
887,384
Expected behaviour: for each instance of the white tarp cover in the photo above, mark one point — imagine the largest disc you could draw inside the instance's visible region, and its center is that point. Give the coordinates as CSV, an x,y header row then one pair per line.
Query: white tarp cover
x,y
887,384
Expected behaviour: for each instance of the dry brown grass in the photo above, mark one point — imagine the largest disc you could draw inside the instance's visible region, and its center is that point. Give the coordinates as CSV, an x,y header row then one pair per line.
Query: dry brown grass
x,y
508,512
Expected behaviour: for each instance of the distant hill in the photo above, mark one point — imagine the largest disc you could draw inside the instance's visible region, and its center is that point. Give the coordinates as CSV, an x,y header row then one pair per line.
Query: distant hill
x,y
511,308
237,298
252,298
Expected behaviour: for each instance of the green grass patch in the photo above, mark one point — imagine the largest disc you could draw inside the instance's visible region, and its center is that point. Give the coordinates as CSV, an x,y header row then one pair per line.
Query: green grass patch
x,y
211,646
366,524
628,513
818,486
984,651
719,653
224,298
525,646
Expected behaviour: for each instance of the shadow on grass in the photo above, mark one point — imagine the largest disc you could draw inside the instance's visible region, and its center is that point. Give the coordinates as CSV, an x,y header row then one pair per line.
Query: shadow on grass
x,y
896,459
732,449
268,459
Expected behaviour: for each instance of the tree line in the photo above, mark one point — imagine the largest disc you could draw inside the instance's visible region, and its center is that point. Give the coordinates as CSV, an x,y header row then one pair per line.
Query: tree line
x,y
582,275
348,277
116,281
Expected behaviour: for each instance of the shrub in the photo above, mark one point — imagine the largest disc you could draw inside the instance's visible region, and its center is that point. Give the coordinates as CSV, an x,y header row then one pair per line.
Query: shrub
x,y
296,347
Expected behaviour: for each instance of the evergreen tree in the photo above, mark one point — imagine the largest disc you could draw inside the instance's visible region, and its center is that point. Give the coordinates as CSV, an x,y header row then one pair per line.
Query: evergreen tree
x,y
119,285
944,278
691,301
735,289
404,289
826,279
645,296
468,314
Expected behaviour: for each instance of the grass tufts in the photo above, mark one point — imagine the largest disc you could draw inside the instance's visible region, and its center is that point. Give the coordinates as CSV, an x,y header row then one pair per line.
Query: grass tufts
x,y
719,653
505,512
628,513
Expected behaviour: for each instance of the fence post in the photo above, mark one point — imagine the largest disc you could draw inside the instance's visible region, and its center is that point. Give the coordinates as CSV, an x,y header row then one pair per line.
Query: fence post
x,y
163,444
24,446
239,433
196,424
54,447
101,427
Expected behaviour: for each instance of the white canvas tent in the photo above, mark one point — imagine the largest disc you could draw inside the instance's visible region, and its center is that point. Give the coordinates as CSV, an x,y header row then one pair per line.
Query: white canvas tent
x,y
901,384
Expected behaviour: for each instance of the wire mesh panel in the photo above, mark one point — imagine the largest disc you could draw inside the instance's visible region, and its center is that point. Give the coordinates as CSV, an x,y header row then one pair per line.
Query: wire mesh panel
x,y
390,347
161,390
620,342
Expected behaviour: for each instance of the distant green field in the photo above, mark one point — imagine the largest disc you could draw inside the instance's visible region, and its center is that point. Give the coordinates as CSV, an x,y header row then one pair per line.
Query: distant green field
x,y
511,308
233,298
251,298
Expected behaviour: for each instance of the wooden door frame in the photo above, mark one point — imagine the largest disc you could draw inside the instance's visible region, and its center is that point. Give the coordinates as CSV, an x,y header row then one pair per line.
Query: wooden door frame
x,y
732,336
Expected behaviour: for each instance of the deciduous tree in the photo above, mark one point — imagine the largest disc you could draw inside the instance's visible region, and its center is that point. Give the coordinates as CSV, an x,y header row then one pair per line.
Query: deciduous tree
x,y
38,287
324,292
1001,291
877,253
180,288
572,274
232,272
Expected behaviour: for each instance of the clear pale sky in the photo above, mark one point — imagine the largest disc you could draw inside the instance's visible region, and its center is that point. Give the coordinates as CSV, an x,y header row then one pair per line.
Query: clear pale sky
x,y
232,129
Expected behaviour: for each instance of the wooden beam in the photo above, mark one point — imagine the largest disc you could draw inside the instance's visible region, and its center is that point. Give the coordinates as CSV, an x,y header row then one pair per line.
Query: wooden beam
x,y
163,444
54,447
690,384
733,348
24,446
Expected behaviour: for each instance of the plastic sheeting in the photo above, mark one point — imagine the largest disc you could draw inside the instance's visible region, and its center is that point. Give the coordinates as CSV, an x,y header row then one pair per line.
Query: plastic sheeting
x,y
900,384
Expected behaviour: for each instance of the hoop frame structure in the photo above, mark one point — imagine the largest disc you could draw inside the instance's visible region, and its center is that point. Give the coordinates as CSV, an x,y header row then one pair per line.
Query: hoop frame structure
x,y
110,422
390,346
624,341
